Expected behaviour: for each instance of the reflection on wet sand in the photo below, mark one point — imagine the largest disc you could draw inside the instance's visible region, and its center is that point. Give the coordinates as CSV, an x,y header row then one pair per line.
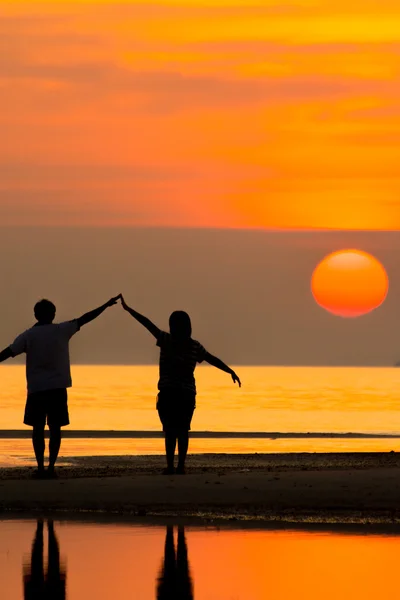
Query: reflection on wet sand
x,y
174,580
38,584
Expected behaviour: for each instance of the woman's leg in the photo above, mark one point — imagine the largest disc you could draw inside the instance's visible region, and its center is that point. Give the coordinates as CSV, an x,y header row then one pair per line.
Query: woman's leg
x,y
183,434
170,445
164,412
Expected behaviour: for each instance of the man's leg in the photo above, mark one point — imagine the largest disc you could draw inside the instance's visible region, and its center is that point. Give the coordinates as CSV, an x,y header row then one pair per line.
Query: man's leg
x,y
34,583
185,583
57,417
39,445
35,417
54,445
183,444
170,445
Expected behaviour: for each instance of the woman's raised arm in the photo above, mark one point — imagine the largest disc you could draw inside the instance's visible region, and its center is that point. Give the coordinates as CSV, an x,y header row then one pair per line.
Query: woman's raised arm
x,y
154,330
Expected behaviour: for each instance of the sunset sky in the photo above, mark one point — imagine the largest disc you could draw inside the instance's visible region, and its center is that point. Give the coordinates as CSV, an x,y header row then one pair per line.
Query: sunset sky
x,y
211,113
125,126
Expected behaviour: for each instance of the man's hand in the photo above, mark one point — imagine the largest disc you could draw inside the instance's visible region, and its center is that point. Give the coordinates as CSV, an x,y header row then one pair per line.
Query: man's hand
x,y
93,314
236,379
113,301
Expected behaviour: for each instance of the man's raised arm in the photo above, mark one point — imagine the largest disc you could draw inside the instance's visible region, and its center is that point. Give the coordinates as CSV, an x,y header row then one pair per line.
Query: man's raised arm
x,y
154,330
5,354
93,314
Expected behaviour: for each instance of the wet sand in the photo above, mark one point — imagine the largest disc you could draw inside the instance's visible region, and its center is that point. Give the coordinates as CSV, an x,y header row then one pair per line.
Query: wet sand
x,y
325,488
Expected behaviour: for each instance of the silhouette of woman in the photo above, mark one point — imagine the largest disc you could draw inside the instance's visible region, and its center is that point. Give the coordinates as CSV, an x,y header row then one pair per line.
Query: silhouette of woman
x,y
179,354
37,584
174,580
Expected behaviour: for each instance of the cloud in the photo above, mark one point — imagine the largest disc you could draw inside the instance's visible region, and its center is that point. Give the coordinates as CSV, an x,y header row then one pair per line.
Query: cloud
x,y
33,22
234,123
192,10
38,50
94,194
73,205
69,175
166,91
268,47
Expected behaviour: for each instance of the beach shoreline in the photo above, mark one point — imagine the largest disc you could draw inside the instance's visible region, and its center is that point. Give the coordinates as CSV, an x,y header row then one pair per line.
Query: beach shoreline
x,y
16,434
303,488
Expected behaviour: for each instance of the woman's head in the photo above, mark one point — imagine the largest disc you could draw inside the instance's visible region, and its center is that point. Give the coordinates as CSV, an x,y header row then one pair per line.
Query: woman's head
x,y
180,325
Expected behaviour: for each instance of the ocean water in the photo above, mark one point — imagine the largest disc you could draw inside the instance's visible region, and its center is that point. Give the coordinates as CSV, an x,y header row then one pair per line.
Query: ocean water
x,y
76,561
272,399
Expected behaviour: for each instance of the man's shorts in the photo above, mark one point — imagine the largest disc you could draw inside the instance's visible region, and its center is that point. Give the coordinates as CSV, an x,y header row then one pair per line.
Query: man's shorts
x,y
50,406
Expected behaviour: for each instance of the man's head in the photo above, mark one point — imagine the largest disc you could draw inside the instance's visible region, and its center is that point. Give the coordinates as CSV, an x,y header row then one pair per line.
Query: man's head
x,y
45,311
180,325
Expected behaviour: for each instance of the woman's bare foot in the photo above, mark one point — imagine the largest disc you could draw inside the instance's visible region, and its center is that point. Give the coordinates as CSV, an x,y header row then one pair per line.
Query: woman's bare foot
x,y
169,471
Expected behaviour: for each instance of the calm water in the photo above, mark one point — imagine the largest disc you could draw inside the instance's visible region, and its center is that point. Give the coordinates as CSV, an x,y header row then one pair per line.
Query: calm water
x,y
74,561
271,399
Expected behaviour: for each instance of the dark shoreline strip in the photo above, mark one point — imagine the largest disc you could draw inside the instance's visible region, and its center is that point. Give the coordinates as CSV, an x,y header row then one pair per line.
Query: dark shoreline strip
x,y
9,434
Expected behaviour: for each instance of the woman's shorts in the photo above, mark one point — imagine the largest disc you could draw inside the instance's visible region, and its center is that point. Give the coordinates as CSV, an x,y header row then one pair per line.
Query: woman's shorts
x,y
175,409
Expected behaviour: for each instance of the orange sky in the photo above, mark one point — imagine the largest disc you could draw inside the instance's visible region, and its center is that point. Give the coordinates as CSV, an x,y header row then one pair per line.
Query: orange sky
x,y
221,113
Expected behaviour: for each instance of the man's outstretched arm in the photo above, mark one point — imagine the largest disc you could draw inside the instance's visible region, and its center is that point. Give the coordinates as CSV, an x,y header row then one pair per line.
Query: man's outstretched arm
x,y
216,362
93,314
154,330
5,354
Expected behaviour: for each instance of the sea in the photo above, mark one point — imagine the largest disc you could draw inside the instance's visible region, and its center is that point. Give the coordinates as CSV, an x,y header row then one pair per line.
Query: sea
x,y
75,560
277,409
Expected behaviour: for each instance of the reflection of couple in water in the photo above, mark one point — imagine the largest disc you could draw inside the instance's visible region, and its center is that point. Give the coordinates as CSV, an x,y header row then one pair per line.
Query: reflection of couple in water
x,y
174,581
38,584
46,346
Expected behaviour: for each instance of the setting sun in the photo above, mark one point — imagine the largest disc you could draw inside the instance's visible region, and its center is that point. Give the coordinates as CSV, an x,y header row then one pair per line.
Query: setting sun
x,y
350,283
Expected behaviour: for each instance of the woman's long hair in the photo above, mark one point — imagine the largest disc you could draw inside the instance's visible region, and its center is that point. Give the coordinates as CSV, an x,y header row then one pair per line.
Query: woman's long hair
x,y
180,325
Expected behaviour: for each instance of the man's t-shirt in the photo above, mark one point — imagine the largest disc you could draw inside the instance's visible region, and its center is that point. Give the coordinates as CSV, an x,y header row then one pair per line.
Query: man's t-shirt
x,y
47,355
178,360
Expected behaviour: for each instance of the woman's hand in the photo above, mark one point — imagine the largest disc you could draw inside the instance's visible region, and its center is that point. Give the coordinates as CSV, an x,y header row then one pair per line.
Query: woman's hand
x,y
124,304
235,378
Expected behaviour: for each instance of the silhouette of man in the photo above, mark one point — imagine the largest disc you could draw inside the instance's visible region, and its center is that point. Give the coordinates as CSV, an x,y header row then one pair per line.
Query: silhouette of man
x,y
179,354
37,584
174,580
48,375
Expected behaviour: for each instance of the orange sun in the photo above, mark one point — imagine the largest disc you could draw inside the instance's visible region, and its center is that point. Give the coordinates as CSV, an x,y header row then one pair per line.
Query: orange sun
x,y
350,283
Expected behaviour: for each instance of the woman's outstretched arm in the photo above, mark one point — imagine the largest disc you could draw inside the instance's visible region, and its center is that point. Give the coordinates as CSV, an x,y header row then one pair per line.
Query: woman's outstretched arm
x,y
154,330
216,362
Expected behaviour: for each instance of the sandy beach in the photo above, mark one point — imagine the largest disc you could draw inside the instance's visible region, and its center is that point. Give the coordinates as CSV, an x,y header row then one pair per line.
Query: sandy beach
x,y
324,488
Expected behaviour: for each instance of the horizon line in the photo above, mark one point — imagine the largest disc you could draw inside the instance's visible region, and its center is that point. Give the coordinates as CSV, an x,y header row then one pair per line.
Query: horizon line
x,y
150,434
236,365
201,228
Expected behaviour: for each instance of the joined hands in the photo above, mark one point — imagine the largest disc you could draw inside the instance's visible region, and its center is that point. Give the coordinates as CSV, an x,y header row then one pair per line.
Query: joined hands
x,y
114,300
